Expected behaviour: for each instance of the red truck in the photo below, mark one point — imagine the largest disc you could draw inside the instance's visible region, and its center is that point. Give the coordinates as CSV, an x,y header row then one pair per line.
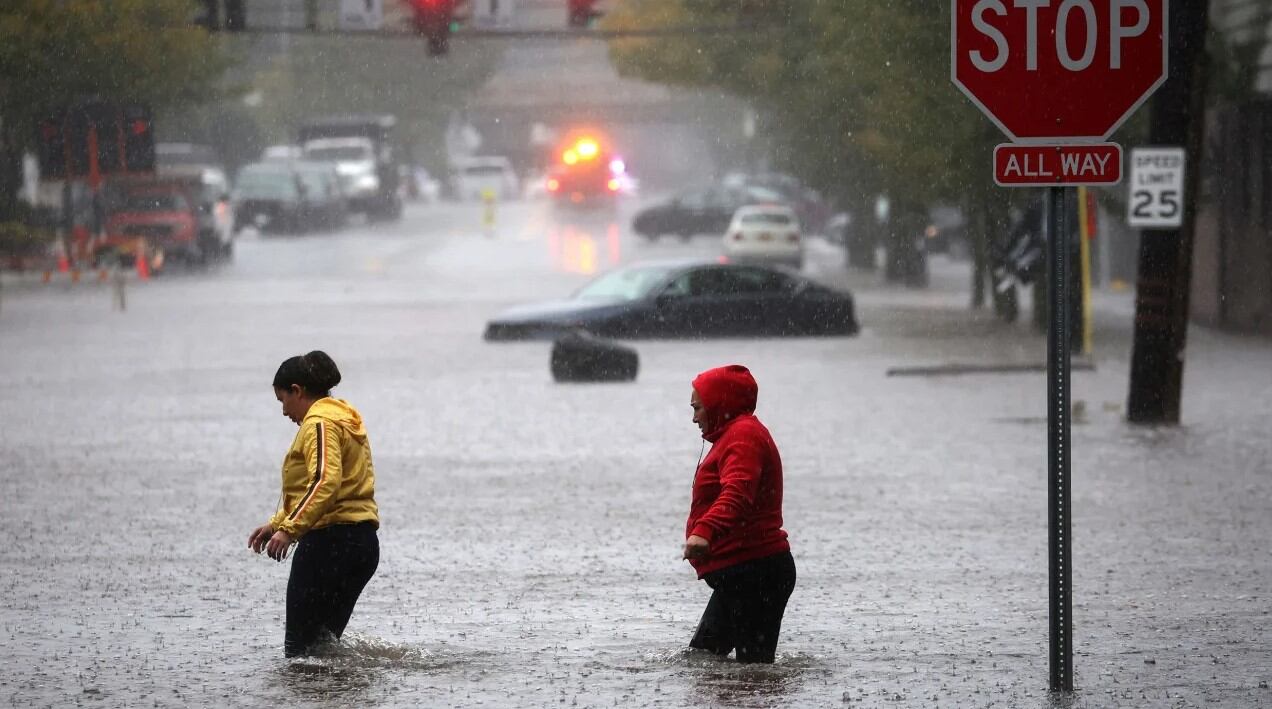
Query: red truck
x,y
161,216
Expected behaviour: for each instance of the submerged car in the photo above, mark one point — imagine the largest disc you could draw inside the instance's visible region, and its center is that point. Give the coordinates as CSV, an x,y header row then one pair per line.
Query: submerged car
x,y
696,299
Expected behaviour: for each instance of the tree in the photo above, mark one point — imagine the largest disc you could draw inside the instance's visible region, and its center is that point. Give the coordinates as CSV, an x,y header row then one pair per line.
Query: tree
x,y
857,94
54,53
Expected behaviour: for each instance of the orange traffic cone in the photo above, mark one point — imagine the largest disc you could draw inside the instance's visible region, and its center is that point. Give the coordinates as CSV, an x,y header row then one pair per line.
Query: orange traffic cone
x,y
143,267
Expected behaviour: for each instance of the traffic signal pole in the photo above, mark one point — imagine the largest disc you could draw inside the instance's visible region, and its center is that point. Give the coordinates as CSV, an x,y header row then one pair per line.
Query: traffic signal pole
x,y
1165,258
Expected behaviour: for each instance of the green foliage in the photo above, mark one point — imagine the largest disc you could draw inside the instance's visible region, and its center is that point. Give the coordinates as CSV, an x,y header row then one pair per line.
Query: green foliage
x,y
856,94
57,52
21,240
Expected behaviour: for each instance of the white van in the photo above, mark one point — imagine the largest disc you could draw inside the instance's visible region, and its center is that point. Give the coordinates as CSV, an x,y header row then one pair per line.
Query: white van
x,y
475,176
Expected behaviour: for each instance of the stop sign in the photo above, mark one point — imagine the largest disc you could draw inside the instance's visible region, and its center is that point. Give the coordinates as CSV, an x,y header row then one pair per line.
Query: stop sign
x,y
1058,70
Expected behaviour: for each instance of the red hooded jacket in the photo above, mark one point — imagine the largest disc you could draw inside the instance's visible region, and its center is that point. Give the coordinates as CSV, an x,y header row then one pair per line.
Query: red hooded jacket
x,y
737,490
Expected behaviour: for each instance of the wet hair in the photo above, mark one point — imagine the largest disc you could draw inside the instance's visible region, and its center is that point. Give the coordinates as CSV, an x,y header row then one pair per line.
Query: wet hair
x,y
315,372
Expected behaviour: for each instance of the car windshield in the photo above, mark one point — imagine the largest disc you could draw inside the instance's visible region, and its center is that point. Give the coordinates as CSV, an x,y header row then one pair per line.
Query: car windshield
x,y
347,153
624,284
767,219
266,185
154,202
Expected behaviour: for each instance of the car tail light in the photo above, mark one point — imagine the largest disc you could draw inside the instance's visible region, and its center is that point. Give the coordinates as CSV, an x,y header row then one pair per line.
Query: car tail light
x,y
736,236
793,237
612,185
554,185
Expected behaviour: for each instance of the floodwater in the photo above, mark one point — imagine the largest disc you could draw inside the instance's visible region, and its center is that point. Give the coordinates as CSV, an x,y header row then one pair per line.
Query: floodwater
x,y
531,531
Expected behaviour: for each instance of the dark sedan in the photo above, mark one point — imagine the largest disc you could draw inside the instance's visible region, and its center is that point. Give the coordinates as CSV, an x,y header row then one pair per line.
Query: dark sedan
x,y
697,299
700,212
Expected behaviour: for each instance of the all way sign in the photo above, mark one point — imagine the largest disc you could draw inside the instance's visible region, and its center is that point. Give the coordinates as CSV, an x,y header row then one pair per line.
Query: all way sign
x,y
1027,165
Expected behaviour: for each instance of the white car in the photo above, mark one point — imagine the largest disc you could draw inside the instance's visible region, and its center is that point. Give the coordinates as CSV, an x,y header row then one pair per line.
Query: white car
x,y
767,233
475,177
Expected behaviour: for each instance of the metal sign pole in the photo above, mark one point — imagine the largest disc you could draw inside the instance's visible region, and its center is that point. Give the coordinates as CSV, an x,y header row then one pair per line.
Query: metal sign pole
x,y
1058,422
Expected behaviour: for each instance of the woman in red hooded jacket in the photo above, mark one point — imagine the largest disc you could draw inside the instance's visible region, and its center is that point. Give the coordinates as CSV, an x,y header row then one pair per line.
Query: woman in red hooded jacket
x,y
734,537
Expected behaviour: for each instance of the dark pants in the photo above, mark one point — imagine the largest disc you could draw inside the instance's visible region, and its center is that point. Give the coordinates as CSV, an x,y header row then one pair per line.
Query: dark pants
x,y
746,607
328,572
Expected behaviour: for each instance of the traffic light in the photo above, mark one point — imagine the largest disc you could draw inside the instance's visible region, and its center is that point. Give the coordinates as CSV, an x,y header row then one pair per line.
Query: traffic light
x,y
582,12
138,139
433,19
116,139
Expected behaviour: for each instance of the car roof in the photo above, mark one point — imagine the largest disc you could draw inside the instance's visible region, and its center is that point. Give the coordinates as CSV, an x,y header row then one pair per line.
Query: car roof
x,y
346,141
765,209
273,167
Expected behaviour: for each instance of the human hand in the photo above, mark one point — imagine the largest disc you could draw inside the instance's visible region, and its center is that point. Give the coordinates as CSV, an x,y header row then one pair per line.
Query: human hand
x,y
278,545
696,547
260,535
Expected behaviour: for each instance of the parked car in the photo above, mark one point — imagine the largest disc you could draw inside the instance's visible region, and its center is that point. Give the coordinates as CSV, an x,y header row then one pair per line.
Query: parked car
x,y
475,177
211,191
946,232
324,192
272,196
765,233
364,147
686,299
809,206
156,216
418,184
706,211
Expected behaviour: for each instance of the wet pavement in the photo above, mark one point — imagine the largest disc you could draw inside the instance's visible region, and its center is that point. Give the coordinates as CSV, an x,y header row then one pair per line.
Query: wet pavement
x,y
531,530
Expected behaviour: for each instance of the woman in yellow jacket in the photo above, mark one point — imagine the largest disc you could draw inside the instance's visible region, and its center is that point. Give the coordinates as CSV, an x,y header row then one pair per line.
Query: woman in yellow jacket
x,y
328,505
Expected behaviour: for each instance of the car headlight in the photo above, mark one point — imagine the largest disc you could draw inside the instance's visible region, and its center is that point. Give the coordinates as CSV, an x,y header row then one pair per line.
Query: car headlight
x,y
369,183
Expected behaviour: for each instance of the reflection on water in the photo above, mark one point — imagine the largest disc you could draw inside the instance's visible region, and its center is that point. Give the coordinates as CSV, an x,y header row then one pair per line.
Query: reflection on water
x,y
574,248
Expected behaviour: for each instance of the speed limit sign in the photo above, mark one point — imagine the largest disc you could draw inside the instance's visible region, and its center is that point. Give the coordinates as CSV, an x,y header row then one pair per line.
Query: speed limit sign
x,y
1157,188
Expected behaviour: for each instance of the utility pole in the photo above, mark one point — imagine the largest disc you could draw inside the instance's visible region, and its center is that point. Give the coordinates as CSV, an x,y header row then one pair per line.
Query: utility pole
x,y
1161,299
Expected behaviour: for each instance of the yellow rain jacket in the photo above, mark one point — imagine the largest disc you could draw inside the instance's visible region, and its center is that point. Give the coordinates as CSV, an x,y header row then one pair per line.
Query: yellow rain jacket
x,y
327,475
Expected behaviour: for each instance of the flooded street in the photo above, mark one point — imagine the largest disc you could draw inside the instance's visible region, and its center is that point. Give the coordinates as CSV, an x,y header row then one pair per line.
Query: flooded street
x,y
531,531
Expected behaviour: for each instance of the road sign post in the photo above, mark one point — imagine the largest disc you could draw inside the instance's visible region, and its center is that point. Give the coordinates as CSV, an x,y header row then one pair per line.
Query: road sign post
x,y
1058,77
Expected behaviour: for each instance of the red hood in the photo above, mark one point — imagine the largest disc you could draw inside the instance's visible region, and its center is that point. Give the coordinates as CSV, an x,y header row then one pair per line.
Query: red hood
x,y
726,393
